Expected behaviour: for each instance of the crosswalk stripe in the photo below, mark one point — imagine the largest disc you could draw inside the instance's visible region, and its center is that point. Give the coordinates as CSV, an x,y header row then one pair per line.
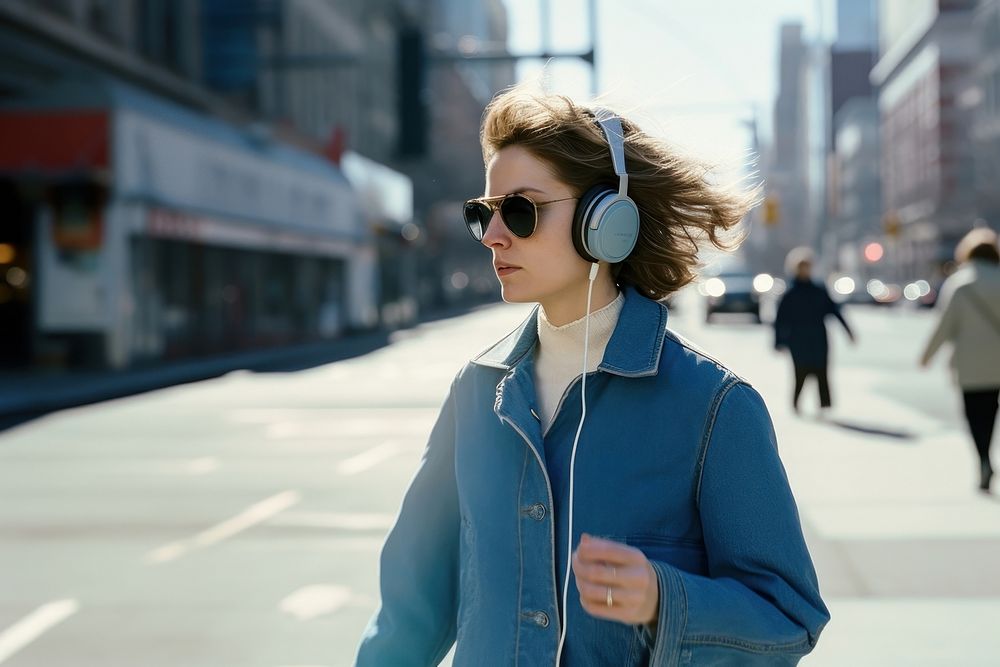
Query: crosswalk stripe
x,y
34,625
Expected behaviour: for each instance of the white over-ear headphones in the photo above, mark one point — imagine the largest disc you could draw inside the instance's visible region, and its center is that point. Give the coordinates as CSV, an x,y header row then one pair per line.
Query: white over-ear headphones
x,y
606,221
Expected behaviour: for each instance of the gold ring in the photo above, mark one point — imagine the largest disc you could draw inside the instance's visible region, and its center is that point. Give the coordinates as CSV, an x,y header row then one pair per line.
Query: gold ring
x,y
610,600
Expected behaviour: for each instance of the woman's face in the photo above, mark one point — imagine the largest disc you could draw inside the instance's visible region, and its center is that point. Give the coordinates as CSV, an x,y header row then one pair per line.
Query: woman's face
x,y
544,267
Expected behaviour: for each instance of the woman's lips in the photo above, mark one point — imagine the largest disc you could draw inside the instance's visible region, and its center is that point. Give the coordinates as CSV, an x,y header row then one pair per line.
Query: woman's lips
x,y
506,270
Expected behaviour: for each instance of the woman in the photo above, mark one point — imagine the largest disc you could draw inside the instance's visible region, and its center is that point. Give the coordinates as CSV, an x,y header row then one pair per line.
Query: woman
x,y
650,523
800,326
970,321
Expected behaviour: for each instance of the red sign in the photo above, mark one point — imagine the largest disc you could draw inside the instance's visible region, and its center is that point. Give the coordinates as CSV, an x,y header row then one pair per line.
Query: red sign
x,y
53,141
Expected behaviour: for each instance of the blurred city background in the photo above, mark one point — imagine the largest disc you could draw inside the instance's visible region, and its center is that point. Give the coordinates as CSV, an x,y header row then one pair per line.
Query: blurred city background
x,y
252,208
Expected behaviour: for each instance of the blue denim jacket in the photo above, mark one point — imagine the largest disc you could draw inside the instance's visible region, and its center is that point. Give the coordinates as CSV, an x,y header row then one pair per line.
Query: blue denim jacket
x,y
677,457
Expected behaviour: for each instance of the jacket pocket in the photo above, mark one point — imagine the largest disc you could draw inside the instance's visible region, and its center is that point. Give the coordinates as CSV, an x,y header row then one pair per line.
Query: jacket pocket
x,y
684,554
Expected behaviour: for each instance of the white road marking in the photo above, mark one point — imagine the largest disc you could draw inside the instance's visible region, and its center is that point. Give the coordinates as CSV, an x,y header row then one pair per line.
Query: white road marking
x,y
336,520
368,459
34,625
316,600
253,515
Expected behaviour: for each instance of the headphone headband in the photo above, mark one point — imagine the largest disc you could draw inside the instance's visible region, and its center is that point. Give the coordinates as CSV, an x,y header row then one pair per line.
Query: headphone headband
x,y
611,124
606,223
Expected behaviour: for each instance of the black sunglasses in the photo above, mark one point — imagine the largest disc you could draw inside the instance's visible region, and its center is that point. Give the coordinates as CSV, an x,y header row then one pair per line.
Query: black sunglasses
x,y
519,212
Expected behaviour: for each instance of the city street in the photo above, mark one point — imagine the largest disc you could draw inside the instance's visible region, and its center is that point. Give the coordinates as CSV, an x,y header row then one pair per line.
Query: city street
x,y
237,521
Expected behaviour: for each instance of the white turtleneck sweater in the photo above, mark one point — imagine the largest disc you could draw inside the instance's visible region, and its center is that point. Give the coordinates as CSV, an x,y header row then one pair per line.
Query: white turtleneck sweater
x,y
560,354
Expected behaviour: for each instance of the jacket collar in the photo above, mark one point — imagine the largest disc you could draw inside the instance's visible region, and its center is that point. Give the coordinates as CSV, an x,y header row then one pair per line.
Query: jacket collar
x,y
633,350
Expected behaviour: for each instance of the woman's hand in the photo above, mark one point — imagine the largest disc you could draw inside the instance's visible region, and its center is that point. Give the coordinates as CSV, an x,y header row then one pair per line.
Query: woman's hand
x,y
607,571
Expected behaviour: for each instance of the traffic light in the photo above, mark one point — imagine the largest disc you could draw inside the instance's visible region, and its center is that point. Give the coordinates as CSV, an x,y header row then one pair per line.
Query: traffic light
x,y
411,110
772,211
874,252
891,224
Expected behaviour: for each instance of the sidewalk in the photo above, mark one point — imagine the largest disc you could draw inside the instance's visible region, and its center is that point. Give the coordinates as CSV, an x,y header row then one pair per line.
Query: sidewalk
x,y
905,546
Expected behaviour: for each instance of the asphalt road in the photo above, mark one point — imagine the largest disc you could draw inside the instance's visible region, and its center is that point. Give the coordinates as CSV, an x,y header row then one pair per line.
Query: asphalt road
x,y
237,521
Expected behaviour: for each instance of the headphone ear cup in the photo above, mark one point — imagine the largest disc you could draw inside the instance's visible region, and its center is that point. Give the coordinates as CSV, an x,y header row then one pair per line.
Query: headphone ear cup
x,y
584,215
617,229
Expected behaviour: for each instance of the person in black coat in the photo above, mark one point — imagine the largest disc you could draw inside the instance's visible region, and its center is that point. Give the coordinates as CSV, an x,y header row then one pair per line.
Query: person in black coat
x,y
800,326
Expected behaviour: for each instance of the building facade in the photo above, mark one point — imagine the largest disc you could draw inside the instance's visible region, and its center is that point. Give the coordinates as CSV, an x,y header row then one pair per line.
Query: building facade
x,y
853,53
981,96
926,55
790,159
857,211
338,72
213,136
855,194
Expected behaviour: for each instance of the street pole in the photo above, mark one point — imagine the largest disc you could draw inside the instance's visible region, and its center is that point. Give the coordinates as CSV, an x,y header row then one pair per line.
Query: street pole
x,y
592,7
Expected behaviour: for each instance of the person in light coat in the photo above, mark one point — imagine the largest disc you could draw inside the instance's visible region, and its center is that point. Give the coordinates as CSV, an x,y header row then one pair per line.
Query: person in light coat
x,y
970,321
596,490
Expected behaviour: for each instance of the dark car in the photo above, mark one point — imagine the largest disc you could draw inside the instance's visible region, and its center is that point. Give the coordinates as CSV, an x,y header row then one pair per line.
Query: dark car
x,y
734,292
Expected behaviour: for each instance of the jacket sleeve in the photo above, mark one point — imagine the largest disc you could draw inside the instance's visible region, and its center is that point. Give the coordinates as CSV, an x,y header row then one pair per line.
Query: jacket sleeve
x,y
946,328
760,603
418,575
834,309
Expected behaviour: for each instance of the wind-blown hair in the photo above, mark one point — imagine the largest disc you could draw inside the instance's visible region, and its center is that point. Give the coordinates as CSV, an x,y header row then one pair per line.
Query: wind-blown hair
x,y
678,208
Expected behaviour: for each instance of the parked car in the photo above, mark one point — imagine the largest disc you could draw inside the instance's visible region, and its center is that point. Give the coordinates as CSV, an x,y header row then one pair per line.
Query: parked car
x,y
735,292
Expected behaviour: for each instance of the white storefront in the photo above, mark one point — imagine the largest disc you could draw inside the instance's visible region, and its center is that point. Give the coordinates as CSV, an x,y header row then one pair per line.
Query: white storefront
x,y
259,226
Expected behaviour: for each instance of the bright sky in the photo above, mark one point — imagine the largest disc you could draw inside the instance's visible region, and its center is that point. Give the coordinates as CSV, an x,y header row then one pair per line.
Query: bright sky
x,y
692,71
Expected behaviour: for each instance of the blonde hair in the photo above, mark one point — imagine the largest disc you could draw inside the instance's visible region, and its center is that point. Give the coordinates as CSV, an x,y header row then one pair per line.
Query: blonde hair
x,y
980,243
797,256
678,208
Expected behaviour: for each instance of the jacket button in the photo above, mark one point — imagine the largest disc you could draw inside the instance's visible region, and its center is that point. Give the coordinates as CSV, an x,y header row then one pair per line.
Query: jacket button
x,y
541,619
537,511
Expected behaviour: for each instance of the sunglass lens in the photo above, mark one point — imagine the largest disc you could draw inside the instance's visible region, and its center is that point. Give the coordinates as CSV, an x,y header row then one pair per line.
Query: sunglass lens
x,y
519,215
477,218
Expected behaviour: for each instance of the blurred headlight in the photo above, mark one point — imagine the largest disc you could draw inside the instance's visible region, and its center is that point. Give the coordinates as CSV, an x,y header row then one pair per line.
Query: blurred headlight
x,y
844,285
763,282
715,287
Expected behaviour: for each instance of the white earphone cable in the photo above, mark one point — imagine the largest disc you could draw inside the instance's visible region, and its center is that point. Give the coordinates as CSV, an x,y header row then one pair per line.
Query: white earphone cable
x,y
572,463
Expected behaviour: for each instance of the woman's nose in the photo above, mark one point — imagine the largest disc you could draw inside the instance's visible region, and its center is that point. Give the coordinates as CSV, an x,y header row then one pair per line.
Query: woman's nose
x,y
496,232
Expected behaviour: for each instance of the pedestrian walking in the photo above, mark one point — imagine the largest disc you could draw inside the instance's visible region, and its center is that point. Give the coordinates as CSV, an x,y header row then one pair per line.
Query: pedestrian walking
x,y
970,320
800,326
596,491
